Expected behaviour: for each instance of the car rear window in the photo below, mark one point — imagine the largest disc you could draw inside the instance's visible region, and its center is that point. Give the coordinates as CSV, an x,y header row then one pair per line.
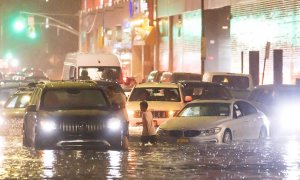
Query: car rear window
x,y
205,109
155,94
232,82
74,99
206,92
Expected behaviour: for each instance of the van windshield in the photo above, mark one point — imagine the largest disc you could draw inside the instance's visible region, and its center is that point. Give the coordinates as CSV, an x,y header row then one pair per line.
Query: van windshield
x,y
101,73
232,82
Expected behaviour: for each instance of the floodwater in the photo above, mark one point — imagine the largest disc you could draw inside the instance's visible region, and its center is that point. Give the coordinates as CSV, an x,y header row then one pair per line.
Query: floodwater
x,y
268,159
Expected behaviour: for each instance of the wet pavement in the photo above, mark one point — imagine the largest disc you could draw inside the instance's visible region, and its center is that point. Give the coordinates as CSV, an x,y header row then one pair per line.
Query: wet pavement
x,y
268,159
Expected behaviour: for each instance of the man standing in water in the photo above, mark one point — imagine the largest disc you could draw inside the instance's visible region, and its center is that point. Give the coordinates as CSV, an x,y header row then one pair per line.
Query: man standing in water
x,y
148,133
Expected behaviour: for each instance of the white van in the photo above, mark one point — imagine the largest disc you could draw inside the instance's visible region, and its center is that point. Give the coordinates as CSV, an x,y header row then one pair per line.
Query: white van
x,y
99,66
240,85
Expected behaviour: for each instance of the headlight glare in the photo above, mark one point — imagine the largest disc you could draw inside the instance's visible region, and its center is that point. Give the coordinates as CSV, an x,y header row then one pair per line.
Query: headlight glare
x,y
171,113
114,124
130,112
48,125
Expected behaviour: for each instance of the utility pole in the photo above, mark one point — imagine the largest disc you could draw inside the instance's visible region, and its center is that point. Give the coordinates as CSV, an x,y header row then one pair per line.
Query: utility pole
x,y
203,39
1,28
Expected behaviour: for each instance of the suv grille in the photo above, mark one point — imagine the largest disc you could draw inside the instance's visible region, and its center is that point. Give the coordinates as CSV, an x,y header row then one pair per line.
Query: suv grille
x,y
81,126
156,114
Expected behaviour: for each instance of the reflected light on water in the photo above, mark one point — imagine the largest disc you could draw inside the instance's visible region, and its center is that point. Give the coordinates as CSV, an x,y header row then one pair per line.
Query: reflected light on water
x,y
291,158
114,168
2,145
48,161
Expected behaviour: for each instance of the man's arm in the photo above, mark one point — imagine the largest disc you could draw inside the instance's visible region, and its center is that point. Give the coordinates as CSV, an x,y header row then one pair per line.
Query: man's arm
x,y
145,123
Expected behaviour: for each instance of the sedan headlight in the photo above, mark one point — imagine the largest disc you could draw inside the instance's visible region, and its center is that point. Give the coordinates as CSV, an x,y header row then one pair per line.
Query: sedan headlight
x,y
114,124
208,132
48,125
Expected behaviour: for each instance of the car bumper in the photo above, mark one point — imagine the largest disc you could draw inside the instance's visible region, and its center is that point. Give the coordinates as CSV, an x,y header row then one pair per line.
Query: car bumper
x,y
56,140
212,138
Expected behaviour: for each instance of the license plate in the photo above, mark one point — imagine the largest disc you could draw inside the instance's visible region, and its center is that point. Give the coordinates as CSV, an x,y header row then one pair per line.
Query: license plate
x,y
183,140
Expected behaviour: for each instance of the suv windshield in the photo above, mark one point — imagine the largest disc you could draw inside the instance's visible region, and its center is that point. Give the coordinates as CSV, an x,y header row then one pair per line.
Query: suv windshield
x,y
155,94
74,99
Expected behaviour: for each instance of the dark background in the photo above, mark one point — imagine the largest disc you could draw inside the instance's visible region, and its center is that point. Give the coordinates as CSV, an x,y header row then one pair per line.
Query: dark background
x,y
49,48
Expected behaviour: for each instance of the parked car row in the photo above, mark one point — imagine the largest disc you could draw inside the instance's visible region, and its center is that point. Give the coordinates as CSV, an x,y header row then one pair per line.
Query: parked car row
x,y
193,111
65,114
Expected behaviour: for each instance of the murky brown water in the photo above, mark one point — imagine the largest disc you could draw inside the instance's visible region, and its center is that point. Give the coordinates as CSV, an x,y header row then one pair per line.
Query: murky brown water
x,y
270,159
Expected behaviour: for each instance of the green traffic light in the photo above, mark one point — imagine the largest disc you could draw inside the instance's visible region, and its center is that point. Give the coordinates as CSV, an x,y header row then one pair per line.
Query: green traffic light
x,y
32,35
8,55
19,25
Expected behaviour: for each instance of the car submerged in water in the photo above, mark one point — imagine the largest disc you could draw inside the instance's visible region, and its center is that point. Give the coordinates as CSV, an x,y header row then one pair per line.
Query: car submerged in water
x,y
71,114
220,121
11,118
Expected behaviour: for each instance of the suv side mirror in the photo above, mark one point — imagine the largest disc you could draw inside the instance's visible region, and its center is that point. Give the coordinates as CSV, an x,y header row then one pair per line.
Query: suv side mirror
x,y
31,108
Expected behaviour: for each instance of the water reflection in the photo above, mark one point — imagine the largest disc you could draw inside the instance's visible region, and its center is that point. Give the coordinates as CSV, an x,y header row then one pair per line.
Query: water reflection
x,y
48,159
2,148
291,158
272,159
114,167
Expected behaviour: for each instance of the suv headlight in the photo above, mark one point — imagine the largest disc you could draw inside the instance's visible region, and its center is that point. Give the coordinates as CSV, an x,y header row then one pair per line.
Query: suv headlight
x,y
114,124
48,125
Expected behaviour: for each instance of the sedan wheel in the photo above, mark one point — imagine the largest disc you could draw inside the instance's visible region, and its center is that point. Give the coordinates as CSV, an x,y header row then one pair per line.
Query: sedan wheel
x,y
227,137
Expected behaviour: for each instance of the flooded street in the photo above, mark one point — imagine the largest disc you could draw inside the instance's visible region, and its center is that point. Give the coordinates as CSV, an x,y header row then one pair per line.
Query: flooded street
x,y
270,159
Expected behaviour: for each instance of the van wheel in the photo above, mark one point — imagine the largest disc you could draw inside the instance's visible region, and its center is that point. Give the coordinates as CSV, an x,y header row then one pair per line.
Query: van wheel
x,y
227,137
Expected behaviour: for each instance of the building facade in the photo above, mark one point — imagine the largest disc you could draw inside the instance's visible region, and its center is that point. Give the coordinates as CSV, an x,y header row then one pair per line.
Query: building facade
x,y
255,23
194,36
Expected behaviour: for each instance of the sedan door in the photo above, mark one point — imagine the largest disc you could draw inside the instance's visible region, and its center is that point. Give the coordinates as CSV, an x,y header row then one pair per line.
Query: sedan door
x,y
240,124
252,121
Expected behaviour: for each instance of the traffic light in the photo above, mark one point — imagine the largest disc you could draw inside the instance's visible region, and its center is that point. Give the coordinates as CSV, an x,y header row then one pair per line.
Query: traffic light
x,y
19,24
31,33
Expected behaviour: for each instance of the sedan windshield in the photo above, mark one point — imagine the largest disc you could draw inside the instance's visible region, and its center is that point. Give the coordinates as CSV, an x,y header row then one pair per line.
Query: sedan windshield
x,y
155,94
74,99
205,109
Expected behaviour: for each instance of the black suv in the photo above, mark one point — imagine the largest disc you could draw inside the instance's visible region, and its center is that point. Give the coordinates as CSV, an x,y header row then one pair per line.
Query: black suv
x,y
71,114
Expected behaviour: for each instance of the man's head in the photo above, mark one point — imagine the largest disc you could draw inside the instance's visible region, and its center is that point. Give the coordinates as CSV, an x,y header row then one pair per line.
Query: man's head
x,y
143,106
84,73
